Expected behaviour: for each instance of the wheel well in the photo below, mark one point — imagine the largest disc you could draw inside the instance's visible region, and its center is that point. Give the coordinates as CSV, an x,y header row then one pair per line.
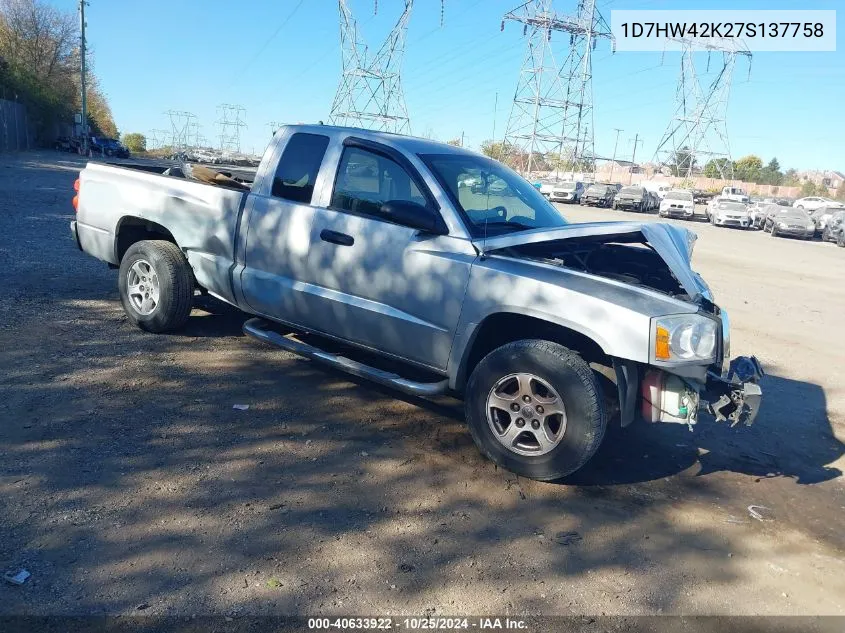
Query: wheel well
x,y
500,329
131,230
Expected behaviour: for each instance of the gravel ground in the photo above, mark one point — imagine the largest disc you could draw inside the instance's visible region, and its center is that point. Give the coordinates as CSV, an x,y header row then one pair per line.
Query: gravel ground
x,y
128,484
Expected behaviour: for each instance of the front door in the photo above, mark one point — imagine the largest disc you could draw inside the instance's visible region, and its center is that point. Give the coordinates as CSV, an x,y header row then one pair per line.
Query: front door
x,y
377,283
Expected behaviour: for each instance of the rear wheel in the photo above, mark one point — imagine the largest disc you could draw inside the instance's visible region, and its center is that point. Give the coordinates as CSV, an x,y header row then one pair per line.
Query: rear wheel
x,y
535,408
156,286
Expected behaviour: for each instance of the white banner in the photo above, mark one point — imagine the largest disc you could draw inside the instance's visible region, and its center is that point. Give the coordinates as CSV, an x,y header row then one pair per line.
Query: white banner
x,y
740,30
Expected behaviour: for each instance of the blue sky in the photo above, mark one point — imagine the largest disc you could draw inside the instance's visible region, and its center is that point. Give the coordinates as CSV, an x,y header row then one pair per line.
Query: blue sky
x,y
280,59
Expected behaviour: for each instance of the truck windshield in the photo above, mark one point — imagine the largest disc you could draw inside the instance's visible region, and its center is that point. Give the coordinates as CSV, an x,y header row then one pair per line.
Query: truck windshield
x,y
492,198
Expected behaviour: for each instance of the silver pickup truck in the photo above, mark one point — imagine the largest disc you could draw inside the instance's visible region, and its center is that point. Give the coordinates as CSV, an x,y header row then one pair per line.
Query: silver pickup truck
x,y
450,270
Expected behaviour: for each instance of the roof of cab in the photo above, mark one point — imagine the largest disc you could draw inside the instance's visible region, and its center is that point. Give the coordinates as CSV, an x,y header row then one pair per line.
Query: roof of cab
x,y
411,144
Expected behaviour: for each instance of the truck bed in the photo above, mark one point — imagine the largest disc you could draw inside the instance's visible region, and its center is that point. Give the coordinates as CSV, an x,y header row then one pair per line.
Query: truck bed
x,y
202,218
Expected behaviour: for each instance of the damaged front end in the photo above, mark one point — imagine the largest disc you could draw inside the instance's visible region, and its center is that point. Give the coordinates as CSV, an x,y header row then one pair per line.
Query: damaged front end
x,y
733,397
687,369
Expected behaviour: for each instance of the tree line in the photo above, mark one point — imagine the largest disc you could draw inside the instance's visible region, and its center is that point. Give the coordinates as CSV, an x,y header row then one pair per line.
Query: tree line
x,y
40,67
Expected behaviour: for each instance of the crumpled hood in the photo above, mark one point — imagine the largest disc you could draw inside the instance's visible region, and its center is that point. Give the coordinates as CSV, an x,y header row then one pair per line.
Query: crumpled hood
x,y
674,244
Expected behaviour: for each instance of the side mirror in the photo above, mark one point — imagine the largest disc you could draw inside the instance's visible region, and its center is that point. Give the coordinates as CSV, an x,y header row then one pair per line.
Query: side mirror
x,y
413,215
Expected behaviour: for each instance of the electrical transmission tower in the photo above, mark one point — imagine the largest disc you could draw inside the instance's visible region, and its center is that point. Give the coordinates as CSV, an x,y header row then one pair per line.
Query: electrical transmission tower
x,y
230,122
370,91
181,124
551,120
698,130
156,139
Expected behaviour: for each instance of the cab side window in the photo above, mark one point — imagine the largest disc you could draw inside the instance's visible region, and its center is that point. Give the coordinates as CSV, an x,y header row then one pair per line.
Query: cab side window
x,y
299,166
366,180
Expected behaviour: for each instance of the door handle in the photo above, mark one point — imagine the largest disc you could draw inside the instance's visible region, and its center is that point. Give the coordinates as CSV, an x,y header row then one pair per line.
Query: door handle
x,y
336,238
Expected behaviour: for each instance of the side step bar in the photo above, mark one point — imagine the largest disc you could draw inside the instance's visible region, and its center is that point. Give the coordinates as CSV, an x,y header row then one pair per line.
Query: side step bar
x,y
259,329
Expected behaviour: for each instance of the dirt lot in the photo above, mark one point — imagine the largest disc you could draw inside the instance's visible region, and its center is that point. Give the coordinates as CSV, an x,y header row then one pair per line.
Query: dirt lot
x,y
128,483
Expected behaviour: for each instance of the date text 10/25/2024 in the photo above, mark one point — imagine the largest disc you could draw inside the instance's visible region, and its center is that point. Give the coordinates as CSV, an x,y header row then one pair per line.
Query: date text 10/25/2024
x,y
418,624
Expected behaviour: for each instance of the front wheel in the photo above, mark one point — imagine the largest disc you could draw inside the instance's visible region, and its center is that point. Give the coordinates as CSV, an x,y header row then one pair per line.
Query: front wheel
x,y
535,408
156,286
826,235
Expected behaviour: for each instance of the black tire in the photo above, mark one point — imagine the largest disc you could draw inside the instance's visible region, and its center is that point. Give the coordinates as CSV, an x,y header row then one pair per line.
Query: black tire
x,y
176,285
826,235
575,382
774,231
840,241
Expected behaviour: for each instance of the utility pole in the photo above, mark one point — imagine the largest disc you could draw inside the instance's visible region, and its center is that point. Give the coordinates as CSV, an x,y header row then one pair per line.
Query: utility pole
x,y
637,141
462,138
613,160
82,4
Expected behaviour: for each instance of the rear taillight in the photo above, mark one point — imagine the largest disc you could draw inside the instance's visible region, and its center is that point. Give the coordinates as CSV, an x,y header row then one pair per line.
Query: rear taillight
x,y
75,200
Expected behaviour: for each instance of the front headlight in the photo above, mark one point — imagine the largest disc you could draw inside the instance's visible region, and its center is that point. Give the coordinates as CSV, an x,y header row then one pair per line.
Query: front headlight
x,y
684,338
781,225
811,227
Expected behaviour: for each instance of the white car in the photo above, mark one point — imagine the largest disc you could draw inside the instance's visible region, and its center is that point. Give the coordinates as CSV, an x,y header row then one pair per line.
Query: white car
x,y
736,194
812,203
569,191
677,203
730,213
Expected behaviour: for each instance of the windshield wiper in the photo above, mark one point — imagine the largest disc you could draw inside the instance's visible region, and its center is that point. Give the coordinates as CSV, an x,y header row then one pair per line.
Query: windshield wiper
x,y
506,224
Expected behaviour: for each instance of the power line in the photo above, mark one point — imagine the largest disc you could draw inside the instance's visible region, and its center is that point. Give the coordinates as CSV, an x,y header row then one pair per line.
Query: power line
x,y
267,42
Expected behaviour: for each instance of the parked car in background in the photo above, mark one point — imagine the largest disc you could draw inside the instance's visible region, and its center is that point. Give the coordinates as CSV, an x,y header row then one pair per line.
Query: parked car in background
x,y
790,221
764,212
812,203
567,191
702,197
632,199
758,212
822,215
653,200
101,146
598,196
736,194
708,210
835,229
677,204
62,144
730,213
658,188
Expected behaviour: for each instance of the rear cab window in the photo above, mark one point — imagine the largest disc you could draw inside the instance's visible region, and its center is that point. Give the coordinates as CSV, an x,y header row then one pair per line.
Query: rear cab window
x,y
298,167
